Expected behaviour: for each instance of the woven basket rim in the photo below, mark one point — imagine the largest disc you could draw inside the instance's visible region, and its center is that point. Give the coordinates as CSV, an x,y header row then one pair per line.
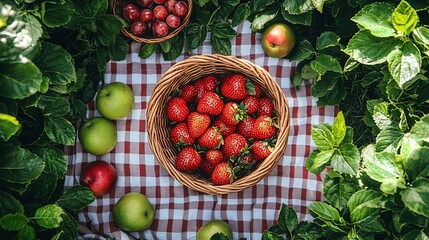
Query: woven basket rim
x,y
165,86
129,34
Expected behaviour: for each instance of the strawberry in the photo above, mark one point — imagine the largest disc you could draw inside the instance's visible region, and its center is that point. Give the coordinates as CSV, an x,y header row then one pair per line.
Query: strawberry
x,y
266,107
188,93
258,90
232,113
204,84
200,89
179,135
261,149
264,127
211,138
197,123
247,159
210,103
177,110
245,127
242,165
214,156
236,86
251,104
188,159
222,174
224,129
207,168
234,145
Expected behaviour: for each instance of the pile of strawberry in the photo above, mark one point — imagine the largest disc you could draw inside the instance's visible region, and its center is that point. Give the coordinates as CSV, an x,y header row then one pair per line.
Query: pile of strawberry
x,y
222,126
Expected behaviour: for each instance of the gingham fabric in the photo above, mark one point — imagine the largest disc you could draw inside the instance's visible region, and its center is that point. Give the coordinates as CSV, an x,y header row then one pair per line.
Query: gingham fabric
x,y
179,211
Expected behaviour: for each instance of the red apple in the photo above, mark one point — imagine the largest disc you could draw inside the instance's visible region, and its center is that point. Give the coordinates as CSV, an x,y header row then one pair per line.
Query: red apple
x,y
278,40
99,176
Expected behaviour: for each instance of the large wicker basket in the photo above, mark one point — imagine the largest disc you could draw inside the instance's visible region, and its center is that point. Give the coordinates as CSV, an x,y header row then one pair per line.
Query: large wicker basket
x,y
116,7
191,69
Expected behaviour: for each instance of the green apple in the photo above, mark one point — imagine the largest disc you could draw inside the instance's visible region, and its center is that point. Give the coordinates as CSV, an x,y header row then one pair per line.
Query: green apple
x,y
133,212
212,227
278,40
115,100
98,136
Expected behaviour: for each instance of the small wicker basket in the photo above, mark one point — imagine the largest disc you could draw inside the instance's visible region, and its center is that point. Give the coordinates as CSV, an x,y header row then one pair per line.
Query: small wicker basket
x,y
191,69
116,7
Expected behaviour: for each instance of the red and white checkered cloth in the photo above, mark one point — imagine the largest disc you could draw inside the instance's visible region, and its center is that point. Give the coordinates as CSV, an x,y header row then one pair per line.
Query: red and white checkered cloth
x,y
179,211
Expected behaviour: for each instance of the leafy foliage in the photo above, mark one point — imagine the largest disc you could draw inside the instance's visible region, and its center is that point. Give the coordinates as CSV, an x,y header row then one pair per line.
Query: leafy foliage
x,y
52,58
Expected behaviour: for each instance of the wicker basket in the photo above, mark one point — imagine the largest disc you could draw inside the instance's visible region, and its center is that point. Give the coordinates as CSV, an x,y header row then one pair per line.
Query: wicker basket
x,y
116,7
192,69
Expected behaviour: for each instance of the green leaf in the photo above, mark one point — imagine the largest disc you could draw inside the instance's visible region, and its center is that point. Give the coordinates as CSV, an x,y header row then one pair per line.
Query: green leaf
x,y
19,165
259,5
365,207
323,63
377,18
146,50
317,160
26,233
221,45
298,6
56,14
416,197
119,51
9,204
404,18
370,50
241,13
195,35
222,30
49,216
346,159
56,64
379,166
404,63
41,189
177,43
381,115
69,227
267,235
76,198
53,105
13,222
327,39
226,7
303,18
318,4
323,137
417,164
388,139
421,37
419,132
108,26
324,85
9,126
308,230
54,158
166,45
307,72
287,220
60,130
325,212
415,235
301,52
19,80
337,189
262,18
339,128
202,2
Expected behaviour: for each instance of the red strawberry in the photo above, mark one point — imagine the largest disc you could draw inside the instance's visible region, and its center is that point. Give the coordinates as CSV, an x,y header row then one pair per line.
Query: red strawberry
x,y
222,174
245,127
233,145
261,149
247,159
188,159
200,89
232,113
224,129
251,104
264,127
210,103
210,83
188,93
214,156
197,123
207,168
258,90
235,86
266,107
177,110
179,135
211,138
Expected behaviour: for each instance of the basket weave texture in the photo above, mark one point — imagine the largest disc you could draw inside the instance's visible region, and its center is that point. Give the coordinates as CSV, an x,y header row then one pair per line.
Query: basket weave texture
x,y
194,68
116,7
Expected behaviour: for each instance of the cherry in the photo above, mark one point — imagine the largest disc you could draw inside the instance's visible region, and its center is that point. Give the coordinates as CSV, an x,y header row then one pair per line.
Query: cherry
x,y
160,29
145,3
170,5
173,21
138,28
160,12
146,15
180,9
130,12
159,1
